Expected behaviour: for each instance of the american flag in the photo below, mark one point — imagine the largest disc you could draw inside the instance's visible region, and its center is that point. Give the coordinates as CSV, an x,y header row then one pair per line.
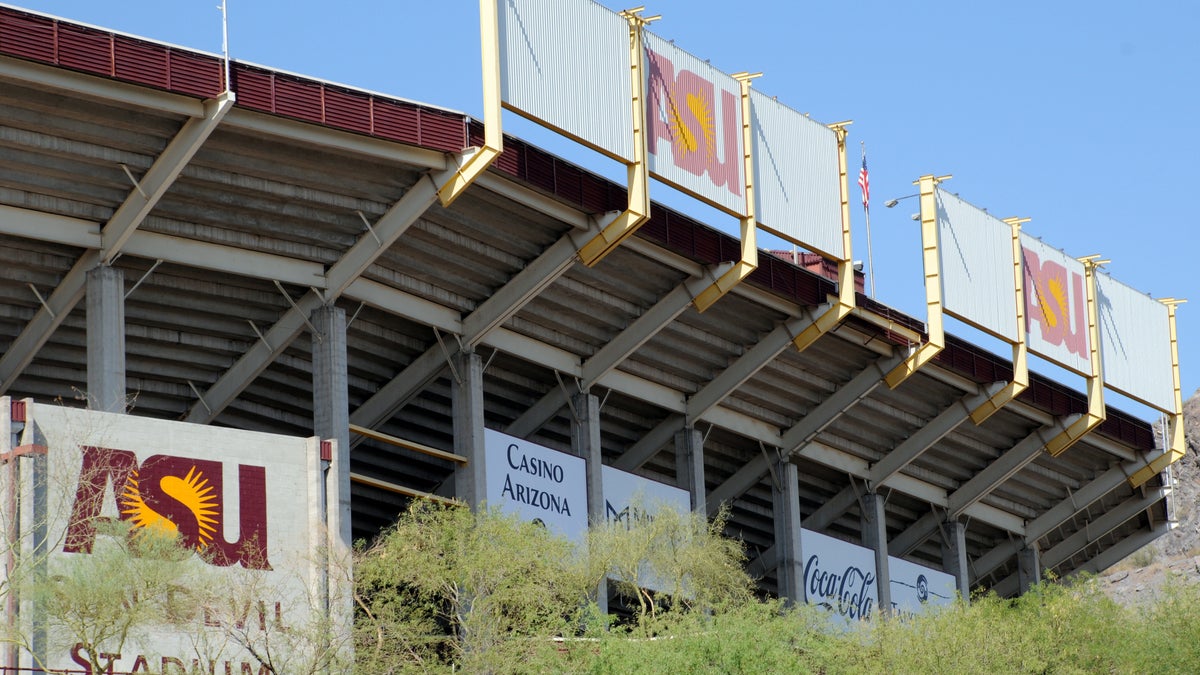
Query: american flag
x,y
863,181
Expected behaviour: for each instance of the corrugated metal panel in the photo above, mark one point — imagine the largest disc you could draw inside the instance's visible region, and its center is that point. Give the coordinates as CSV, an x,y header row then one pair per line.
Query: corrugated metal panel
x,y
85,49
694,126
567,64
796,177
1135,343
140,62
298,98
348,110
397,122
1055,305
442,130
255,88
196,74
26,36
977,266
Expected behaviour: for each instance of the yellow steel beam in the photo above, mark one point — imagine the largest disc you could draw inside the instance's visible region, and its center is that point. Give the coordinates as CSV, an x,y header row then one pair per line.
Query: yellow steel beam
x,y
638,170
401,490
934,323
1095,384
407,444
477,160
1175,443
1020,380
749,262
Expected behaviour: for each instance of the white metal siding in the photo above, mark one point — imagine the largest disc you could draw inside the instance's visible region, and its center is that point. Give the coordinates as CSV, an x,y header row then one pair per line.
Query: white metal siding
x,y
1135,344
796,179
977,267
1055,291
567,64
694,128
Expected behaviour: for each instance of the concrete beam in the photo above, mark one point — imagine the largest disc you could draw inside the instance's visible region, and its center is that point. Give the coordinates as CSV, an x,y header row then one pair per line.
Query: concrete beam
x,y
874,536
982,484
789,556
345,271
475,327
954,556
925,437
154,184
331,409
611,354
753,360
466,392
817,419
106,339
689,466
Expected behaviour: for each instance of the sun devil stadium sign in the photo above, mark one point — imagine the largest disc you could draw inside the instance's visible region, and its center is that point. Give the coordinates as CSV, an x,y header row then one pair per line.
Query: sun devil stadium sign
x,y
251,506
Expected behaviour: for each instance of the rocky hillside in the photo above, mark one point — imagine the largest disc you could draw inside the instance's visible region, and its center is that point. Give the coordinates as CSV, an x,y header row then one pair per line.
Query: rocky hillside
x,y
1138,577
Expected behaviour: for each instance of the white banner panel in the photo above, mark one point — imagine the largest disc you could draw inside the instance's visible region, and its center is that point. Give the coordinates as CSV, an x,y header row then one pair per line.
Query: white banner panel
x,y
567,65
694,126
1055,305
623,491
537,483
628,497
1135,344
916,587
839,576
796,177
977,267
250,503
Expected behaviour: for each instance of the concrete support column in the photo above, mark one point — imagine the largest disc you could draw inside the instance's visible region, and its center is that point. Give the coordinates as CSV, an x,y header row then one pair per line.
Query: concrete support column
x,y
789,557
874,529
689,466
954,555
466,393
585,442
331,410
1029,568
106,339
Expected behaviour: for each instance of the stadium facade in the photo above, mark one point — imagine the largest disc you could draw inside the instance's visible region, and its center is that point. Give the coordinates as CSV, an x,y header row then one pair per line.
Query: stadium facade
x,y
232,245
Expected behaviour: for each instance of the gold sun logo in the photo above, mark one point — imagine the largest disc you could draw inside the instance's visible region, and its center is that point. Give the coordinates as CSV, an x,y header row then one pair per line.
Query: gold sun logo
x,y
701,110
193,491
1060,301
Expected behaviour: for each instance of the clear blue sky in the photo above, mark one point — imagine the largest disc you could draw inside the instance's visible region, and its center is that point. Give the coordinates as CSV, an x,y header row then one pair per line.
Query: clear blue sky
x,y
1079,115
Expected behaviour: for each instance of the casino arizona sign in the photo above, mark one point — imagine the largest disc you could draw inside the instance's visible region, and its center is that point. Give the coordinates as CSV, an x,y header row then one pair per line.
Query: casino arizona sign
x,y
171,494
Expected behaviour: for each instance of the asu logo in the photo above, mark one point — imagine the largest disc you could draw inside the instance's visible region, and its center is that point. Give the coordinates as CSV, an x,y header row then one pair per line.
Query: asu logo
x,y
175,495
1054,298
698,120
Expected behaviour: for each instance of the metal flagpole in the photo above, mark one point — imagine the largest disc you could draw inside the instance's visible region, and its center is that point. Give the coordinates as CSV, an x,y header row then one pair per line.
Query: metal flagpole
x,y
862,181
225,44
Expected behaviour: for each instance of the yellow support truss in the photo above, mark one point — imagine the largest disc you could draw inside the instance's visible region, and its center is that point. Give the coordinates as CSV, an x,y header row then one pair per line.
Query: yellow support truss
x,y
935,326
477,160
638,170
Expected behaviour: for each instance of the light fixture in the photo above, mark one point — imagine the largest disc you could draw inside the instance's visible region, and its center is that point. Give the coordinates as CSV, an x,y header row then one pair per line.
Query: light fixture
x,y
892,202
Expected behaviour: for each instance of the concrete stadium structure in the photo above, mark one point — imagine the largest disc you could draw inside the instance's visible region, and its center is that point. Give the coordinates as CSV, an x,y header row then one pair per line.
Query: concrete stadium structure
x,y
278,260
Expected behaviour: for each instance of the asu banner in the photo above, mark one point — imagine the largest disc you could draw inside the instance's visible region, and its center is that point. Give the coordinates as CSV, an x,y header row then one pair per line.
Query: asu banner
x,y
249,507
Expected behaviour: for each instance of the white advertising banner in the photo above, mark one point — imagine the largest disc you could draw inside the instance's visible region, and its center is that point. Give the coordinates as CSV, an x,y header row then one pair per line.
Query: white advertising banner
x,y
916,587
1055,306
1135,344
629,497
796,177
839,576
978,285
537,483
567,65
625,493
694,126
250,504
